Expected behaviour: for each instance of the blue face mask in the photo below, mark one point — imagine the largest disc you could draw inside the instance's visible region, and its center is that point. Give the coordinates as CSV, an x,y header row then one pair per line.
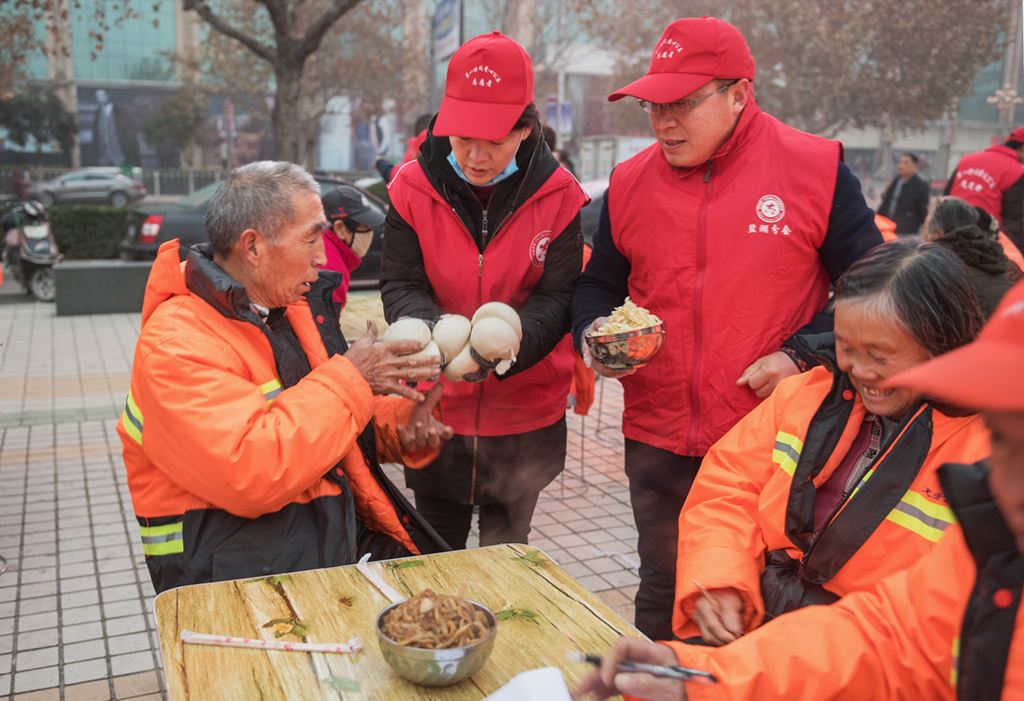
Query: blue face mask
x,y
511,169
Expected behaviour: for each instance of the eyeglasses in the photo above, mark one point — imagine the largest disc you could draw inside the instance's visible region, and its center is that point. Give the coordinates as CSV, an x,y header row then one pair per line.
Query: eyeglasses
x,y
679,108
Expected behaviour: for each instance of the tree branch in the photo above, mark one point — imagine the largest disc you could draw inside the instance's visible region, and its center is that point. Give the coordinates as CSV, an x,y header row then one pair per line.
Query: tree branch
x,y
317,30
201,8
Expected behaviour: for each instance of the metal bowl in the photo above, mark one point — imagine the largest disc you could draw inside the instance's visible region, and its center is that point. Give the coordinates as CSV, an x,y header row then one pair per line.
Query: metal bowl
x,y
440,667
629,349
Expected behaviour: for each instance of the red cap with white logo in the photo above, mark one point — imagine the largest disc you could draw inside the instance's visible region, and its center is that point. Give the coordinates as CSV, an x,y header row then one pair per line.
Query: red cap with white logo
x,y
983,375
691,53
489,84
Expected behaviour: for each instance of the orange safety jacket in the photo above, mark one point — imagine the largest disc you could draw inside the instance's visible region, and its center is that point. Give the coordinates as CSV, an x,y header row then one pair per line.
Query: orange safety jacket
x,y
238,463
950,627
748,522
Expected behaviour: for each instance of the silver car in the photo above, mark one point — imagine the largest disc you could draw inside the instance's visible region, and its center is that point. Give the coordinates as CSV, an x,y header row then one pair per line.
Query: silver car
x,y
89,186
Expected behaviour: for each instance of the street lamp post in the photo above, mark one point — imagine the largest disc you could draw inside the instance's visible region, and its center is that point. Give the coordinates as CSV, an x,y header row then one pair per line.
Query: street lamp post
x,y
1005,100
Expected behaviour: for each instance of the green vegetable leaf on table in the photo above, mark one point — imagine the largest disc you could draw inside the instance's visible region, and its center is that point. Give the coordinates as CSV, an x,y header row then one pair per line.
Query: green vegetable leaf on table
x,y
511,612
343,684
405,565
287,626
532,557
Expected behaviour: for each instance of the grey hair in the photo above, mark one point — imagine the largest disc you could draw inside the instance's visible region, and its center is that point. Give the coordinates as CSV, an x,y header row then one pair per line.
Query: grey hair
x,y
947,214
923,287
255,196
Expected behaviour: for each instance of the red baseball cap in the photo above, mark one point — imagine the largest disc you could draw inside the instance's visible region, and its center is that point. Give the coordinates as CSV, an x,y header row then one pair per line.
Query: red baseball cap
x,y
691,53
489,84
1017,135
984,375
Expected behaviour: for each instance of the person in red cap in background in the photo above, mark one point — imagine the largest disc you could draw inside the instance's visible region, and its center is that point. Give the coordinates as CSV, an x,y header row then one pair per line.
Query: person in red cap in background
x,y
352,223
951,627
729,228
993,179
486,214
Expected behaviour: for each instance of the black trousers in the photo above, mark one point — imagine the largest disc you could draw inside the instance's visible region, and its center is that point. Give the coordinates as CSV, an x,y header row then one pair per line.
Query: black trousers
x,y
659,481
499,523
504,475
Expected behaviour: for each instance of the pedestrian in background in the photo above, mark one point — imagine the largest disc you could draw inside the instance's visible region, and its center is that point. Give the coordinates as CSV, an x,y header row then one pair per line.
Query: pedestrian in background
x,y
905,201
486,214
993,179
352,224
729,228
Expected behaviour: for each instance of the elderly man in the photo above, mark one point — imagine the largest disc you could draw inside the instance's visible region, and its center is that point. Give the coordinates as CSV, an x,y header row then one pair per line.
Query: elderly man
x,y
951,627
252,432
905,201
729,228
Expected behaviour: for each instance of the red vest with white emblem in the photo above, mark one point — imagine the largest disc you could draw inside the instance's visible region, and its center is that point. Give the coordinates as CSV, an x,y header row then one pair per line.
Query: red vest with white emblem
x,y
983,177
727,255
463,278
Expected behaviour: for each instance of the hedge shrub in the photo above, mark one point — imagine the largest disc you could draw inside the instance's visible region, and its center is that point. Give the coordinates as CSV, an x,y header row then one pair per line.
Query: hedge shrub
x,y
88,231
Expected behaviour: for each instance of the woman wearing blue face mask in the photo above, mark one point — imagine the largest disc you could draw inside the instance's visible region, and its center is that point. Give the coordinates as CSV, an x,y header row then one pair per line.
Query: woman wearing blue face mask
x,y
486,214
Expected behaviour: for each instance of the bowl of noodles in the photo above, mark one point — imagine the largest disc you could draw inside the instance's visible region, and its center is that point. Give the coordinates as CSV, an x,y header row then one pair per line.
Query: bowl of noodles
x,y
436,639
629,338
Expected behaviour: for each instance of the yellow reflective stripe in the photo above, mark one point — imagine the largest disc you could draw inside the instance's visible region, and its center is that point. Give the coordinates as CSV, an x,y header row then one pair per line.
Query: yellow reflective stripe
x,y
131,419
271,389
167,528
936,511
171,547
954,675
787,451
921,516
165,539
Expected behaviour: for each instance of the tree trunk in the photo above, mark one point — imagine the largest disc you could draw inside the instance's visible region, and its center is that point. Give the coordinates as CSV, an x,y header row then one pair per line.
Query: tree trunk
x,y
287,128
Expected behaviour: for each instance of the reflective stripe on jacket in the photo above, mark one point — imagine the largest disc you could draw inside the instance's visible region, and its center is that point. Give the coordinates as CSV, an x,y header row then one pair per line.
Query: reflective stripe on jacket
x,y
755,494
225,463
949,627
727,254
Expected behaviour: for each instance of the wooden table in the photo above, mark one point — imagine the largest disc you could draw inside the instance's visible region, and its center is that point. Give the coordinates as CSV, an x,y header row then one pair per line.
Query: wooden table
x,y
339,603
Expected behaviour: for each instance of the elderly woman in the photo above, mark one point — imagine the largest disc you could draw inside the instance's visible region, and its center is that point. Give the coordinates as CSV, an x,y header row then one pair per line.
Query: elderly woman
x,y
958,226
831,483
486,214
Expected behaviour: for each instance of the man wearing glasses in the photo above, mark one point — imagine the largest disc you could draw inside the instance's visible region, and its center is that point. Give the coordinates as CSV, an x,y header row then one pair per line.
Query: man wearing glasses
x,y
730,228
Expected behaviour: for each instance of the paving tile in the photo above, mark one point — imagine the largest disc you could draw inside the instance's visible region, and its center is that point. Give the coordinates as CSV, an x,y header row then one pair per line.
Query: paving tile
x,y
88,670
98,690
7,609
125,624
117,609
131,663
36,639
81,631
33,679
134,642
37,621
134,685
82,614
34,659
112,579
41,695
5,665
76,584
119,593
5,683
87,650
594,583
79,569
87,597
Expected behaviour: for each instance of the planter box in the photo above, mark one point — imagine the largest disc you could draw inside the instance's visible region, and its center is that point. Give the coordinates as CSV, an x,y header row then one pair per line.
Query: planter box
x,y
100,286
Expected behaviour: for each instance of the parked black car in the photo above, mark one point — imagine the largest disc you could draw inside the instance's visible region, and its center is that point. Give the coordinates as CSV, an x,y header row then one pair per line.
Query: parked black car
x,y
153,224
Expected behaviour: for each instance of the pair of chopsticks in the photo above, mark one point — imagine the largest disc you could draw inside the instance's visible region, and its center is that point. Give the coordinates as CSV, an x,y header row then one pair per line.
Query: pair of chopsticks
x,y
353,645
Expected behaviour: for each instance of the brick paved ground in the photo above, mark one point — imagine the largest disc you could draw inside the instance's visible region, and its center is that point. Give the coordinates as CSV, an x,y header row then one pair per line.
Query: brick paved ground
x,y
76,601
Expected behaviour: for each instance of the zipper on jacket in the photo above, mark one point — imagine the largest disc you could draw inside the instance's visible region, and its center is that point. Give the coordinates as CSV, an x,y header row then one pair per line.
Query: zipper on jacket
x,y
698,302
483,230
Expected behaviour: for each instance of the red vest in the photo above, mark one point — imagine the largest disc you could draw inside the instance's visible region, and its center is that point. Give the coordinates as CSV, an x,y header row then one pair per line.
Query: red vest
x,y
982,178
727,256
462,279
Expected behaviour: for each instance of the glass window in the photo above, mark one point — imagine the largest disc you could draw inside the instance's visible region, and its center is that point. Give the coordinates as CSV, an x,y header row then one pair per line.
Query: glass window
x,y
136,48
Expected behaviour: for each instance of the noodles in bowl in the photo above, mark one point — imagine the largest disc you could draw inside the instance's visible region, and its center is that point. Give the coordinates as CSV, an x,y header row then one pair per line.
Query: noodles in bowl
x,y
433,621
436,639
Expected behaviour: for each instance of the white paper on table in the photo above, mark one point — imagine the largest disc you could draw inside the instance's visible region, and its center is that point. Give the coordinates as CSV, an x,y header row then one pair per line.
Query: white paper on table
x,y
544,684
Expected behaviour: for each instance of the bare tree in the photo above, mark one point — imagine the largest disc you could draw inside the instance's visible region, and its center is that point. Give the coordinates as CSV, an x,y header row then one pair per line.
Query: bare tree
x,y
831,65
298,30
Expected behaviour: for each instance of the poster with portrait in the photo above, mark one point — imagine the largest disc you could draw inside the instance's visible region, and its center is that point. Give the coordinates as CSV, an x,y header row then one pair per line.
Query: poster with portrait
x,y
110,123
